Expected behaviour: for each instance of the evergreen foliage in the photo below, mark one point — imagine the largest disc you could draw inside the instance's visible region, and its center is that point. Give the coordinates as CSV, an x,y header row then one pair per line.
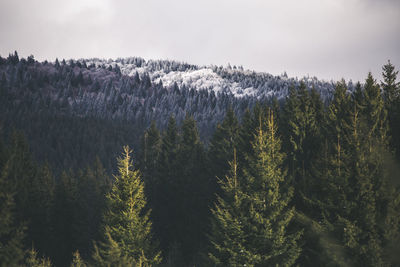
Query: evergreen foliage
x,y
32,260
391,92
126,219
77,260
222,144
11,234
341,187
251,221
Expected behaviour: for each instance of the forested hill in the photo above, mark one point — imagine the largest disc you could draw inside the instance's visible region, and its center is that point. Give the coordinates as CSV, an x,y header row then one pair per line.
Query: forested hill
x,y
296,183
82,103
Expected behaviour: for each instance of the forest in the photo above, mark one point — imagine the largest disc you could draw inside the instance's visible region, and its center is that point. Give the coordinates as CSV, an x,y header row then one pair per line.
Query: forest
x,y
99,168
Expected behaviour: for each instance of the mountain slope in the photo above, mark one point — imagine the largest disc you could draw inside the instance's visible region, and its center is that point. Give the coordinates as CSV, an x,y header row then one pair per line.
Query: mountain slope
x,y
65,102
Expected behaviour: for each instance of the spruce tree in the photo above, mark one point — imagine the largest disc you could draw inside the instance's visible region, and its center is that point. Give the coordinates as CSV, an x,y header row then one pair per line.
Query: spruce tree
x,y
32,260
325,195
11,232
251,221
126,221
110,254
40,230
77,260
191,187
65,218
92,186
390,86
221,147
391,91
164,211
302,118
355,207
151,148
291,129
374,110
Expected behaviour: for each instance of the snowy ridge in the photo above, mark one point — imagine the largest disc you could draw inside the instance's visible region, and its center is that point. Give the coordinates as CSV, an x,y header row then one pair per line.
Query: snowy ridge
x,y
235,81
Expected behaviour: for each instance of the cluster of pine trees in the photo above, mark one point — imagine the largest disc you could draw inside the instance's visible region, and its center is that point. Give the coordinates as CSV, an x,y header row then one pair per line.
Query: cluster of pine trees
x,y
305,183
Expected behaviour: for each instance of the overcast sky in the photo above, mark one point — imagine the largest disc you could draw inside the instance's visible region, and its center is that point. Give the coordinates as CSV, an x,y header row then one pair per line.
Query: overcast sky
x,y
330,39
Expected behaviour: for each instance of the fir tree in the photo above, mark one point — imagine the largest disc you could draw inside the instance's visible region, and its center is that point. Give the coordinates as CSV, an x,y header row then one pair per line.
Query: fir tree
x,y
41,203
32,260
92,186
11,233
251,222
110,254
77,260
222,144
390,86
376,114
164,211
192,192
391,91
151,149
65,218
126,220
352,214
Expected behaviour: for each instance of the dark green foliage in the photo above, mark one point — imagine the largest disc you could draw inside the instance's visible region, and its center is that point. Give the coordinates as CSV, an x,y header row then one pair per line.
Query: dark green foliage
x,y
352,195
341,188
93,185
222,144
110,254
165,199
32,260
302,125
374,110
65,218
77,260
191,192
126,221
11,231
42,202
391,92
251,221
149,158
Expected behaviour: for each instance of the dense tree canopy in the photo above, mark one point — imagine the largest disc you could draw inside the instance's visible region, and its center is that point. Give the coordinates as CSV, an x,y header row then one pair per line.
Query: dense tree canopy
x,y
308,179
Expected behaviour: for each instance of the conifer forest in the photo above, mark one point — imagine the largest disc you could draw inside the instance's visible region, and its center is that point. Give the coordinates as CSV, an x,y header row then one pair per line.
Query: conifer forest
x,y
134,162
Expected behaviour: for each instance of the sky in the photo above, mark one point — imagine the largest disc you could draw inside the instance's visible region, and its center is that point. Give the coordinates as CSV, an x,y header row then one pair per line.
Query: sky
x,y
329,39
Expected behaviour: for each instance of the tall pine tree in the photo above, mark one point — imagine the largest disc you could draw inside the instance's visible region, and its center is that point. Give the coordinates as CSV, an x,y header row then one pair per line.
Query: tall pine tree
x,y
251,221
391,91
126,221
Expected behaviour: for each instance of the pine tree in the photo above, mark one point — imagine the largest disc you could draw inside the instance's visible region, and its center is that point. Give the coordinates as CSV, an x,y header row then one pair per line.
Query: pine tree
x,y
110,254
126,220
246,135
251,222
291,128
222,144
376,114
191,187
302,119
77,260
11,233
164,211
40,230
391,91
92,186
151,148
325,197
228,238
65,218
32,260
390,86
352,216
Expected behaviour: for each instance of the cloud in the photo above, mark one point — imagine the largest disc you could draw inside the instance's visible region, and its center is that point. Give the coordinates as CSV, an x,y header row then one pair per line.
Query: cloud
x,y
326,38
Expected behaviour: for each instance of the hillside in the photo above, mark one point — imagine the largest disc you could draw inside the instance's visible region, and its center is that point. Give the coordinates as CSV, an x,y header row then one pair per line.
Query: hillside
x,y
90,101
